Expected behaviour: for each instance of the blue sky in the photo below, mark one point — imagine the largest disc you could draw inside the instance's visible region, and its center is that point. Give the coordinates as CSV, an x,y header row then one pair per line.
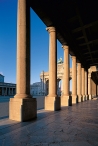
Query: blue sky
x,y
39,43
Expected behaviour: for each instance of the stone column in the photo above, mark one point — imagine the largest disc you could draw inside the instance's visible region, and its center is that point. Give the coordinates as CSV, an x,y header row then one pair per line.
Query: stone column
x,y
89,87
52,102
86,94
23,107
74,81
66,100
79,82
83,84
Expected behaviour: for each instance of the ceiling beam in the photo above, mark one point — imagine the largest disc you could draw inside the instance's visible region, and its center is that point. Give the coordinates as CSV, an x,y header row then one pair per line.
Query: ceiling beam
x,y
73,18
89,42
83,30
93,58
84,26
91,52
79,38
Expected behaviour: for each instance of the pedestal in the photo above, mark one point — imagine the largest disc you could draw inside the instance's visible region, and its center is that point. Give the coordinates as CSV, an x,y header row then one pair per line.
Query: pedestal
x,y
52,103
22,109
74,99
80,98
66,100
84,98
90,97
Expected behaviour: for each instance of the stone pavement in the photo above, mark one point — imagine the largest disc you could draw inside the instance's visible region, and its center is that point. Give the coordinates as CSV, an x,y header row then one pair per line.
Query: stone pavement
x,y
76,125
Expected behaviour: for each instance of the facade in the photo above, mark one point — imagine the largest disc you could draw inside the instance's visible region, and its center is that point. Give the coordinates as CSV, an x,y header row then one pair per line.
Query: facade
x,y
6,89
36,89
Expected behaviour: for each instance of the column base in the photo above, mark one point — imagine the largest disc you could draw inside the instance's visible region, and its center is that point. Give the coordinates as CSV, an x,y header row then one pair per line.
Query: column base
x,y
22,109
66,100
80,98
52,103
84,97
90,97
74,99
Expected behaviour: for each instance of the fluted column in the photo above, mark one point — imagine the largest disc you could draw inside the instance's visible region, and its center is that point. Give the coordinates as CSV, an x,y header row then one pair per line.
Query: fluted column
x,y
23,68
74,80
83,84
65,99
86,94
51,102
79,82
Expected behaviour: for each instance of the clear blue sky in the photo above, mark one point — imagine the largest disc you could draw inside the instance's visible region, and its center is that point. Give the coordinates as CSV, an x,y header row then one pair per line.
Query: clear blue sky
x,y
39,43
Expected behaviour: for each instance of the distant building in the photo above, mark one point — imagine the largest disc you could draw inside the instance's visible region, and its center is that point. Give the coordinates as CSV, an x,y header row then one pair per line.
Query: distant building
x,y
6,89
35,89
1,78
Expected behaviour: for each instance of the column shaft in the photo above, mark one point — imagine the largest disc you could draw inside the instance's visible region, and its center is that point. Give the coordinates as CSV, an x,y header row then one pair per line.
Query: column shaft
x,y
74,80
83,82
52,62
23,50
89,85
66,100
66,71
79,78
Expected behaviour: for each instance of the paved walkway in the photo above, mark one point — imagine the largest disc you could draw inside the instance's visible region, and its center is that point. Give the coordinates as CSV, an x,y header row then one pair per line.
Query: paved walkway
x,y
76,125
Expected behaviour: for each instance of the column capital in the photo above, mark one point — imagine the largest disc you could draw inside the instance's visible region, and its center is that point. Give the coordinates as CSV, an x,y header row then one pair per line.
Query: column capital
x,y
51,29
73,57
65,47
79,64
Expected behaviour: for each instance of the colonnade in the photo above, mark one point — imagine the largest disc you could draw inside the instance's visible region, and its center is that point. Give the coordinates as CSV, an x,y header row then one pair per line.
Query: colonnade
x,y
7,91
23,106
